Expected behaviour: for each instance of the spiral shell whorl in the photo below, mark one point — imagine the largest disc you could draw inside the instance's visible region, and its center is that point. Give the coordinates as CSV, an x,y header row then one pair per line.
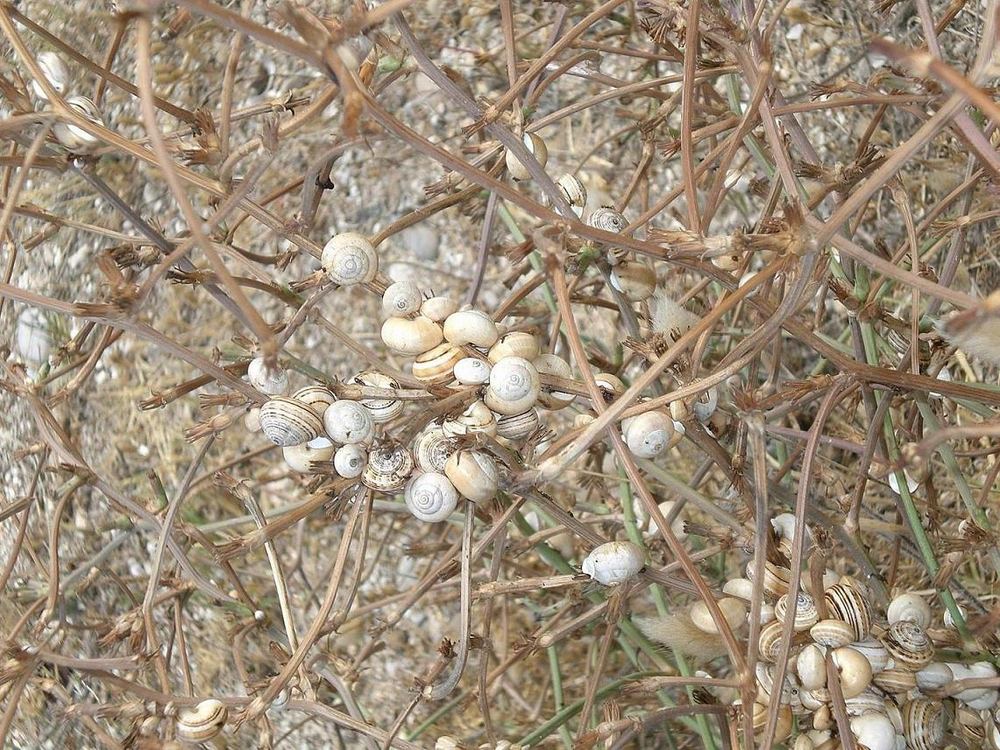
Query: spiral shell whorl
x,y
431,497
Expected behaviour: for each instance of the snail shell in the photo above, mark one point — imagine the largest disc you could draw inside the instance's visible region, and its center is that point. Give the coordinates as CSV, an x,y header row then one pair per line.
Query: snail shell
x,y
874,731
381,409
783,726
432,447
776,578
300,458
472,371
518,426
573,191
436,366
349,258
348,422
810,665
814,700
934,676
896,681
847,603
551,364
474,475
514,344
911,607
874,652
648,434
613,562
514,386
635,279
769,642
741,588
608,219
316,397
411,336
251,420
286,421
909,645
867,700
536,147
706,404
438,308
854,670
789,693
55,72
611,385
975,697
388,467
349,460
203,722
832,633
401,298
471,327
477,417
73,137
923,724
805,611
733,610
431,497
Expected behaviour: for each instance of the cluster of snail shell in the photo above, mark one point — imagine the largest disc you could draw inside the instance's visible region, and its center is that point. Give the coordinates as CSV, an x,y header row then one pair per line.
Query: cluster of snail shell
x,y
73,137
884,663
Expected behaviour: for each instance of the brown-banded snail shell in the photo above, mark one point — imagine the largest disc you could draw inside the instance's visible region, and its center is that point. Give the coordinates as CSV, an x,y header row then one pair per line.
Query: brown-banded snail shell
x,y
270,380
608,219
316,397
349,258
909,645
923,724
437,366
349,460
551,364
348,422
431,497
518,426
612,563
805,611
635,279
381,409
776,578
648,434
432,447
514,344
472,371
388,467
286,421
536,147
896,681
401,298
72,136
514,386
471,327
202,722
833,633
474,475
769,642
411,335
847,603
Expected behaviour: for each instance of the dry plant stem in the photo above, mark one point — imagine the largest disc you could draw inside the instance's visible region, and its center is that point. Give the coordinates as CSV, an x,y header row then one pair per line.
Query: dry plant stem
x,y
691,42
54,527
594,677
758,457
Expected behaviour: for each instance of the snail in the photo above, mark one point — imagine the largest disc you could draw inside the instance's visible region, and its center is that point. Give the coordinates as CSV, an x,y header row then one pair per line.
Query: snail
x,y
776,578
432,447
431,497
470,327
476,418
832,633
55,72
514,386
316,397
733,610
72,136
411,335
536,147
401,298
810,665
610,385
608,219
437,366
438,308
514,344
648,434
551,364
270,380
573,191
349,460
635,279
923,724
518,426
874,730
472,371
300,458
388,467
349,258
911,607
769,641
613,562
908,645
251,420
202,722
854,670
474,475
382,410
741,588
285,422
348,422
847,603
805,611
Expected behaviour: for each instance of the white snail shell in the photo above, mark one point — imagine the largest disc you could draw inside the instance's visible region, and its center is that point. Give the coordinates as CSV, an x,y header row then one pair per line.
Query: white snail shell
x,y
285,422
706,404
874,652
349,258
401,298
635,279
472,371
316,397
733,610
934,676
476,418
514,386
574,192
611,385
432,447
349,460
613,563
514,344
203,722
608,219
471,327
518,426
270,380
552,364
741,588
55,72
437,366
854,669
300,458
874,731
388,467
648,434
536,147
438,308
381,409
474,475
75,138
251,420
431,497
810,665
911,607
348,422
411,336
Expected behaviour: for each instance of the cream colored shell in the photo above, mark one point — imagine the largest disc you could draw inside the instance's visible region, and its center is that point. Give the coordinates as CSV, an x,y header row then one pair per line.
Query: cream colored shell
x,y
411,335
648,434
431,497
514,344
474,475
552,364
348,422
514,386
202,722
401,298
613,563
471,327
286,421
536,147
349,258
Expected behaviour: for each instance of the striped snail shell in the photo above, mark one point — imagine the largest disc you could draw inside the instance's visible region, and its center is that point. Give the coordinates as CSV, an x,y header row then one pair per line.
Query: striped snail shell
x,y
776,578
805,611
438,308
349,460
648,434
474,475
349,258
783,726
911,607
437,366
896,681
401,298
514,344
551,364
381,409
73,137
866,700
202,722
388,467
55,72
518,426
432,447
411,335
909,645
348,422
514,386
788,695
923,724
471,327
608,219
573,191
854,670
431,497
536,147
476,418
769,642
270,380
847,603
316,397
472,371
635,279
301,458
832,633
613,562
286,421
